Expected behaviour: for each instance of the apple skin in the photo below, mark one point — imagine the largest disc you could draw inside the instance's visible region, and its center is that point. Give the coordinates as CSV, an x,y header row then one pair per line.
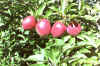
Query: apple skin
x,y
43,27
28,23
58,29
74,28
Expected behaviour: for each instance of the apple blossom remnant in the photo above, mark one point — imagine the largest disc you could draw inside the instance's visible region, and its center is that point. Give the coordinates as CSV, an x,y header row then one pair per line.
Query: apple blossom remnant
x,y
73,28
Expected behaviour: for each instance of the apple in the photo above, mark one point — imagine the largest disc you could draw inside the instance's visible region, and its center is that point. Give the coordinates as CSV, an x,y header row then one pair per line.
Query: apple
x,y
28,23
43,27
58,29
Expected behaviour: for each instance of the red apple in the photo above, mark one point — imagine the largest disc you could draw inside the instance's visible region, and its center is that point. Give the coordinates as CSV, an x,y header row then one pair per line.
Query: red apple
x,y
28,23
73,28
58,29
43,27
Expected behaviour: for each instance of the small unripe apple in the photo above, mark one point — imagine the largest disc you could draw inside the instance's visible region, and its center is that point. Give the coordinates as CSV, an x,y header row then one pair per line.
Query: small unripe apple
x,y
74,28
28,23
58,29
43,27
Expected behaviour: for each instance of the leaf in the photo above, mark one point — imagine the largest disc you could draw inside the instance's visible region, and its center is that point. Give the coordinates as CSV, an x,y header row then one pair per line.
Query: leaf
x,y
50,44
88,17
68,8
51,1
38,65
97,42
79,55
21,36
64,4
9,11
92,60
53,8
73,16
64,64
90,41
37,57
32,12
66,38
81,37
1,22
26,32
41,9
84,50
53,55
87,65
1,52
59,42
85,42
48,13
99,55
72,41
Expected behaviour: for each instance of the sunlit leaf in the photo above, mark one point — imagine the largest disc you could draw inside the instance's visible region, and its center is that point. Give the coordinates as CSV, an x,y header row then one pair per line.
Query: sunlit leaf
x,y
38,65
41,9
84,50
37,57
48,13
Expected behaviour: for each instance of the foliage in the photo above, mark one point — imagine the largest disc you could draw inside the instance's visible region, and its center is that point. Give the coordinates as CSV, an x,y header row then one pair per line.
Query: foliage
x,y
20,47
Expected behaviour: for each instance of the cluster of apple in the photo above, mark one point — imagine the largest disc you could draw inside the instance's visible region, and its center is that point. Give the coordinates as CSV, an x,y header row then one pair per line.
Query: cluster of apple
x,y
43,27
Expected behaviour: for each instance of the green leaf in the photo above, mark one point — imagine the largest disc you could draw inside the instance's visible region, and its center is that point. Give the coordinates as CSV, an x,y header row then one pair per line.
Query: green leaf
x,y
87,65
89,17
72,41
84,50
53,55
50,44
79,55
64,64
9,11
99,55
1,22
53,8
37,57
85,42
66,38
59,42
81,37
38,65
21,36
48,13
92,60
68,8
90,41
1,52
64,4
41,9
32,12
26,32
